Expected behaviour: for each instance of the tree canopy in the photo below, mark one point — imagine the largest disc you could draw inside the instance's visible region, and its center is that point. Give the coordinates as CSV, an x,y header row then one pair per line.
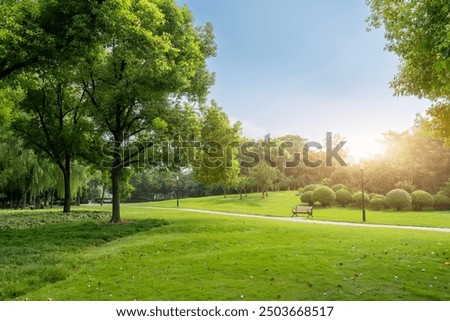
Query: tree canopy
x,y
419,33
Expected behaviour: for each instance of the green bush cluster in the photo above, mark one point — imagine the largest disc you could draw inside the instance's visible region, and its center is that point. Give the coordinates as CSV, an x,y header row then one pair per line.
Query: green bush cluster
x,y
377,203
306,197
337,187
421,199
357,198
310,188
399,199
344,197
324,195
441,202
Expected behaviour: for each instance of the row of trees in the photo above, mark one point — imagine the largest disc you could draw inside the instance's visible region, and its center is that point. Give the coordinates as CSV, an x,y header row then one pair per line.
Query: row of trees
x,y
79,81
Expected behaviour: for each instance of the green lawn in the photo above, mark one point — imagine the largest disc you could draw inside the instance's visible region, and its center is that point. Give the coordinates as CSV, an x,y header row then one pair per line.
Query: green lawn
x,y
173,255
281,203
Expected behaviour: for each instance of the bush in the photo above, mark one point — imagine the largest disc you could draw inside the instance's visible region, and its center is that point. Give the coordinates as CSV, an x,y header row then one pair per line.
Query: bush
x,y
421,199
357,198
343,197
441,202
398,199
310,188
324,195
306,197
337,187
377,203
444,192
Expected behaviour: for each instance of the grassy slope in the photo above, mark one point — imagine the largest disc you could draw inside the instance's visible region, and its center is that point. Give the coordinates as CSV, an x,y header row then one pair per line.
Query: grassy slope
x,y
281,203
204,257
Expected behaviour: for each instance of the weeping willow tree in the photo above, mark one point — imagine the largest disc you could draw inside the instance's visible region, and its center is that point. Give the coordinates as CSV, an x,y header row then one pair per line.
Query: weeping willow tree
x,y
24,176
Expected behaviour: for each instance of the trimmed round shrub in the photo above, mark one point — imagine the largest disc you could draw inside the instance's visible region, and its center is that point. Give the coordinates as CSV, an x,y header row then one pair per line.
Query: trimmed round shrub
x,y
398,199
344,197
441,202
306,197
337,187
444,192
377,203
324,195
310,188
421,199
372,195
357,198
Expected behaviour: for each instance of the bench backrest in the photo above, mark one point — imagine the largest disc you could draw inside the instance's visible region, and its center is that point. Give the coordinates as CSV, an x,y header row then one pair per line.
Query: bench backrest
x,y
302,208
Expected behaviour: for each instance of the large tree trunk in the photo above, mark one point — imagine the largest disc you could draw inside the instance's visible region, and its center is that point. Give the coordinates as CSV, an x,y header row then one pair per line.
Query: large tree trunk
x,y
66,174
115,178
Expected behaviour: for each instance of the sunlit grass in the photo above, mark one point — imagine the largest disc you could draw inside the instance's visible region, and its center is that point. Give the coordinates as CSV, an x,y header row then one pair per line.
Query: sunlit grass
x,y
281,203
204,257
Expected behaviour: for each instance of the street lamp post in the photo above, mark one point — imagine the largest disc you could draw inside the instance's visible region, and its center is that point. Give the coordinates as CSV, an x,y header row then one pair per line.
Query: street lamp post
x,y
178,202
361,167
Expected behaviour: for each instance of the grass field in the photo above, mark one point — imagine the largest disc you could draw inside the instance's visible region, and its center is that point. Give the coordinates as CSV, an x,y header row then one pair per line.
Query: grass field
x,y
173,255
281,203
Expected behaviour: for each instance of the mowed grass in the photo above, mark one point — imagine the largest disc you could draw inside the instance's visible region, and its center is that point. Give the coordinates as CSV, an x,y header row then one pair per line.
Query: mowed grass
x,y
212,257
281,203
38,248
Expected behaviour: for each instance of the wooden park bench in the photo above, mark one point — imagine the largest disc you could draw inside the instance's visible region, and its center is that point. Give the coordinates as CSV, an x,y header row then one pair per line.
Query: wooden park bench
x,y
302,209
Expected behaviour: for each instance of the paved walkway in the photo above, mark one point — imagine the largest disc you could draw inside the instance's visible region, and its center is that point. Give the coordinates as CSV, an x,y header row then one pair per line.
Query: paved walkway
x,y
305,221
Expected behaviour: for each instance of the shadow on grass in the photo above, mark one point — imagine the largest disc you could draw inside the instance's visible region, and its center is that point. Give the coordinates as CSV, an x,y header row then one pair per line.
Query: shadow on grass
x,y
48,250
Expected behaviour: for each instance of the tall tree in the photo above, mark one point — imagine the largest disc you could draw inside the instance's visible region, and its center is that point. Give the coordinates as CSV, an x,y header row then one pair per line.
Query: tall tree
x,y
218,163
51,119
418,32
152,55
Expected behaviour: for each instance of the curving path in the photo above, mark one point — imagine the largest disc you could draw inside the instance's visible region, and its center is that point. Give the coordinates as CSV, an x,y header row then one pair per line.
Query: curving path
x,y
305,221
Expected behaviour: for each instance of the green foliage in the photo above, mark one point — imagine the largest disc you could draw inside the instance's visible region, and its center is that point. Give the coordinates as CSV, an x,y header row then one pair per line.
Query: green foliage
x,y
310,187
421,199
263,176
344,197
306,197
417,31
324,195
398,199
357,198
377,203
34,33
219,163
337,187
149,68
441,202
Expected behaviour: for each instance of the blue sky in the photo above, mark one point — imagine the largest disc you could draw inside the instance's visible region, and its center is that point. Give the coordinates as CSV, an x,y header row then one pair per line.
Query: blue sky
x,y
305,67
